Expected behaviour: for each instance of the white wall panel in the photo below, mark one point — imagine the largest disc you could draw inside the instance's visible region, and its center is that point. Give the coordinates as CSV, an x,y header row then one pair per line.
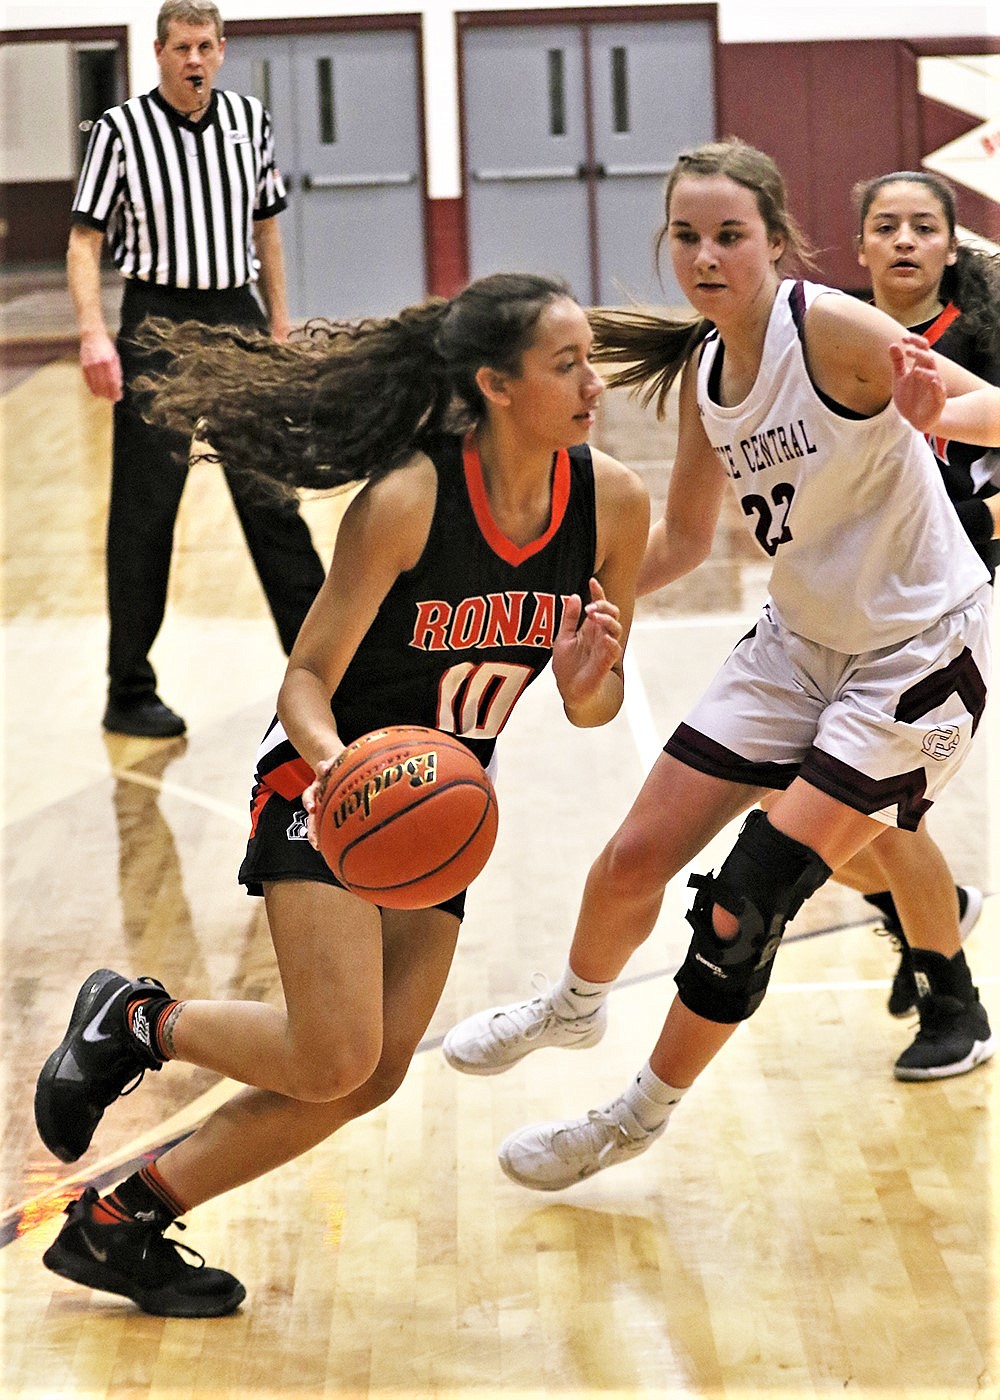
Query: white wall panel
x,y
37,140
855,19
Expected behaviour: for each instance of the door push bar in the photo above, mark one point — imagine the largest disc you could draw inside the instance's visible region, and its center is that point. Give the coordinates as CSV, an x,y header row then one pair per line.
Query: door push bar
x,y
365,181
597,171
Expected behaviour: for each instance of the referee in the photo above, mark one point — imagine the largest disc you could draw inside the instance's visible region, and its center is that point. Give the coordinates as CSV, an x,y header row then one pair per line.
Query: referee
x,y
183,184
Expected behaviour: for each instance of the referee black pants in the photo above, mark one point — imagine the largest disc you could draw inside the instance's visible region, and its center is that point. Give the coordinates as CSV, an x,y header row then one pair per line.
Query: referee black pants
x,y
147,480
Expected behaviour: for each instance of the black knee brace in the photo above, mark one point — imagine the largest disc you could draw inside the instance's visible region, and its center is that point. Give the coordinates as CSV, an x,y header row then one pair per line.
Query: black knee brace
x,y
764,881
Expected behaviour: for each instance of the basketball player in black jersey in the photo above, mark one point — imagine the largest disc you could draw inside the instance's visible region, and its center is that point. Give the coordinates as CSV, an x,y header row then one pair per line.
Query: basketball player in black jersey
x,y
487,539
948,292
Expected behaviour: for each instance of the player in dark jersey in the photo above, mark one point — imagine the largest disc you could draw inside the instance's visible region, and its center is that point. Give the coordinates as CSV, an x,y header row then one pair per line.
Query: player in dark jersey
x,y
948,292
457,639
487,539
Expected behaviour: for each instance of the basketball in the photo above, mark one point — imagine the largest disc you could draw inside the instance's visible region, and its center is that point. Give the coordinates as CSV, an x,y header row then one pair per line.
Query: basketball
x,y
408,818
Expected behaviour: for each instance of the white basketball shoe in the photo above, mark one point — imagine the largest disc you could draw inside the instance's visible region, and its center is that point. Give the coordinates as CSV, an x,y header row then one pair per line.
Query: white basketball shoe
x,y
489,1042
552,1156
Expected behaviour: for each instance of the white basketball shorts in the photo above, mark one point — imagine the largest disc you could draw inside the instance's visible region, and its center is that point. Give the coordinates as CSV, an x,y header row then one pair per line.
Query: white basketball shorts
x,y
882,731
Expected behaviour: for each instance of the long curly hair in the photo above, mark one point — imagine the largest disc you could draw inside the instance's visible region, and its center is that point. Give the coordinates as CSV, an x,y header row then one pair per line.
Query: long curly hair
x,y
972,282
652,349
343,401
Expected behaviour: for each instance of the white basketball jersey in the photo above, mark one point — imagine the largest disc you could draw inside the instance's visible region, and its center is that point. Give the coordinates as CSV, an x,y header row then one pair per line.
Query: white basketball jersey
x,y
867,547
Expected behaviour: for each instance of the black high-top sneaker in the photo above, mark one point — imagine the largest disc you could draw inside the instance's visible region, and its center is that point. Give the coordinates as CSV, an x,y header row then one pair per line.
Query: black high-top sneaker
x,y
96,1061
903,992
954,1034
134,1258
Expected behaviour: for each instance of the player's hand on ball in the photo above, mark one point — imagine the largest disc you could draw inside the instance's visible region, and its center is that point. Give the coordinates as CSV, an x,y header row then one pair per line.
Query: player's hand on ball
x,y
312,798
405,818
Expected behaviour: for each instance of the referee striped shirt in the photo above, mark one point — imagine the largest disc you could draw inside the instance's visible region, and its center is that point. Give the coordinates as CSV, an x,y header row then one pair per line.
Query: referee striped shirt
x,y
176,198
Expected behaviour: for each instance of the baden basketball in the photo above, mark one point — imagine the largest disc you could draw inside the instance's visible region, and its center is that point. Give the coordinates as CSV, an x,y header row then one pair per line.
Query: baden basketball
x,y
408,818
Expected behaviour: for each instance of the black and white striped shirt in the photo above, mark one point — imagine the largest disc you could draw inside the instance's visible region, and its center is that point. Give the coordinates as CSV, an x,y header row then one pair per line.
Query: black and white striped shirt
x,y
178,198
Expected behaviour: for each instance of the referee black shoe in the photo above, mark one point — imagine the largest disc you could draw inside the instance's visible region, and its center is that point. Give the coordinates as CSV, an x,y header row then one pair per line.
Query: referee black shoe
x,y
134,1259
96,1061
143,716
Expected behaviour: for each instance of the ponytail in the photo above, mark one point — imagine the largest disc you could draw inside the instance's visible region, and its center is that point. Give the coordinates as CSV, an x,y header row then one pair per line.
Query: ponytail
x,y
342,401
973,284
651,350
339,402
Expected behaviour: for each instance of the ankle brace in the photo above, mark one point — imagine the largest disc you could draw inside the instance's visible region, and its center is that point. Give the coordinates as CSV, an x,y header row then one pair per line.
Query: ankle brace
x,y
936,975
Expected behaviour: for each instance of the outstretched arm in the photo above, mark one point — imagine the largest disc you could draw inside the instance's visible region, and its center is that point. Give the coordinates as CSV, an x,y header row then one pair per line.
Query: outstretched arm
x,y
935,400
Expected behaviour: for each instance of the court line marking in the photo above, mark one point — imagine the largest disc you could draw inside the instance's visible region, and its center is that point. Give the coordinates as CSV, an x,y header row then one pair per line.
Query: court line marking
x,y
239,815
639,715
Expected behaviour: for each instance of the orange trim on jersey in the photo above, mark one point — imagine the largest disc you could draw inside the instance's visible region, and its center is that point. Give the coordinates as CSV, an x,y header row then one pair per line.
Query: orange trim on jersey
x,y
510,552
941,322
261,798
289,779
939,445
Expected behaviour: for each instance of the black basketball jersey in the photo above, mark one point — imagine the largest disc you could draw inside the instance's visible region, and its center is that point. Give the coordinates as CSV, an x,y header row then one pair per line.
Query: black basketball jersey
x,y
459,637
968,471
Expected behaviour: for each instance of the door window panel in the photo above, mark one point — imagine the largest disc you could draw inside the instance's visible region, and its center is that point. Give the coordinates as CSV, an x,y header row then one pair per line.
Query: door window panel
x,y
327,108
619,90
557,92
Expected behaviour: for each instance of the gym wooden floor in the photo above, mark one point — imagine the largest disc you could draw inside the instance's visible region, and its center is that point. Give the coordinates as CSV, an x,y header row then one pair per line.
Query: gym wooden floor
x,y
808,1227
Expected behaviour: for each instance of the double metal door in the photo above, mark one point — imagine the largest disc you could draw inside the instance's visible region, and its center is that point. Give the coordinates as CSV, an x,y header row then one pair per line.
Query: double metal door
x,y
570,130
346,114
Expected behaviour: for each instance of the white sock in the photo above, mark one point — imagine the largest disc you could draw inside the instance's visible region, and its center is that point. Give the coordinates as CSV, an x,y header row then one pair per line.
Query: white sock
x,y
650,1099
573,997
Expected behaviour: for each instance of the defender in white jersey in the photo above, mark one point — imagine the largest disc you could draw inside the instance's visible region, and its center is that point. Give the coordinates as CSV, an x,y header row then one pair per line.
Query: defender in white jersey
x,y
841,620
801,466
854,697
